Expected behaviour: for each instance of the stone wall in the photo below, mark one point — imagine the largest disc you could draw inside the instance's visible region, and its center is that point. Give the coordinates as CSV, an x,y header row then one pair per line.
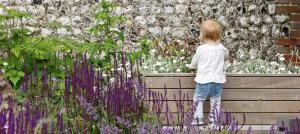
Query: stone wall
x,y
250,28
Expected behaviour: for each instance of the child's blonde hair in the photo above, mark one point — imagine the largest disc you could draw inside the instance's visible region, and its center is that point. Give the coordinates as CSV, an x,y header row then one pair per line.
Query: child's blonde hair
x,y
210,30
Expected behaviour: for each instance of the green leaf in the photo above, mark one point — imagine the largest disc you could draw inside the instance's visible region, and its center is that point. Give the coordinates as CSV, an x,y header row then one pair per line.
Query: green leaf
x,y
16,51
10,73
14,80
21,74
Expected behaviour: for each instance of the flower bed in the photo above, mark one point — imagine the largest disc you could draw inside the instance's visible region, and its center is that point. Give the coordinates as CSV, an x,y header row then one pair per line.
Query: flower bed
x,y
262,98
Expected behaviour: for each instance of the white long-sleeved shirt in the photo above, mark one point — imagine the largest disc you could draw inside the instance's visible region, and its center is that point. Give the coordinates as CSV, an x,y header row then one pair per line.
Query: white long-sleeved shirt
x,y
209,62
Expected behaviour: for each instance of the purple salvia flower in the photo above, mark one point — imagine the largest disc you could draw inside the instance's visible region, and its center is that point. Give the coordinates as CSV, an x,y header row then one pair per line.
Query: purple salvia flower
x,y
21,125
105,129
27,116
17,124
298,125
123,122
286,130
74,80
232,128
249,131
272,129
167,130
11,117
67,87
3,120
190,114
87,107
60,124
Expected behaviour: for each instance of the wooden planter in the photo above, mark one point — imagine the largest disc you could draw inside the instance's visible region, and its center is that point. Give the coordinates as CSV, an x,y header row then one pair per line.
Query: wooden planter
x,y
262,98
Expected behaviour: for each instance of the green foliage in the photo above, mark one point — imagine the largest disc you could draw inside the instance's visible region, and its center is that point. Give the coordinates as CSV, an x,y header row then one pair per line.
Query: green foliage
x,y
104,31
110,39
20,48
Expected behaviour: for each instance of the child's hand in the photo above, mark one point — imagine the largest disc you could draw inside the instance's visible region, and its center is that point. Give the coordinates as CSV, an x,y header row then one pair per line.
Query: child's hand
x,y
189,66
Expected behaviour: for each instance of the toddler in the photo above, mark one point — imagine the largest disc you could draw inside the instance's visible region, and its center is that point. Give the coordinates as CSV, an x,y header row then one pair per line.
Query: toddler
x,y
210,76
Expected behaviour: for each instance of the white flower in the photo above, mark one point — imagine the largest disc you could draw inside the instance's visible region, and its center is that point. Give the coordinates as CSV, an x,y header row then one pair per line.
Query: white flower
x,y
278,54
282,69
174,61
101,22
152,50
281,59
102,56
178,70
158,63
273,63
235,62
120,69
5,64
240,72
104,75
128,75
59,55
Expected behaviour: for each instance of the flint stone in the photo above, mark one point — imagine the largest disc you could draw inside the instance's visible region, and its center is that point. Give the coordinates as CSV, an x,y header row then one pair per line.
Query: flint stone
x,y
181,8
281,18
155,30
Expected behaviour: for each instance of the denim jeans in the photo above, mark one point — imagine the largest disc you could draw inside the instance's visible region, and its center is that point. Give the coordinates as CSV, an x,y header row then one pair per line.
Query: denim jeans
x,y
203,91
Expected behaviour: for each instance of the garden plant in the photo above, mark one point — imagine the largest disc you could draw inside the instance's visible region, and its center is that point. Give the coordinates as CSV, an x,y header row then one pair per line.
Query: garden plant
x,y
66,85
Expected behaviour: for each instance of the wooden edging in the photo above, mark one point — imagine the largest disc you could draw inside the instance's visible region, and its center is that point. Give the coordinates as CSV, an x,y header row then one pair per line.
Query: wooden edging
x,y
229,75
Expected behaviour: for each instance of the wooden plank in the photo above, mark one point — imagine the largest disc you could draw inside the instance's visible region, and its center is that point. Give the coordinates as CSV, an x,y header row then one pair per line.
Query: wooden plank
x,y
251,118
206,130
227,74
238,94
240,106
255,132
232,82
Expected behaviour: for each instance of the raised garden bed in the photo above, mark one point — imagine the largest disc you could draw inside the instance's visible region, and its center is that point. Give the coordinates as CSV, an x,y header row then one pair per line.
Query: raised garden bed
x,y
261,97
